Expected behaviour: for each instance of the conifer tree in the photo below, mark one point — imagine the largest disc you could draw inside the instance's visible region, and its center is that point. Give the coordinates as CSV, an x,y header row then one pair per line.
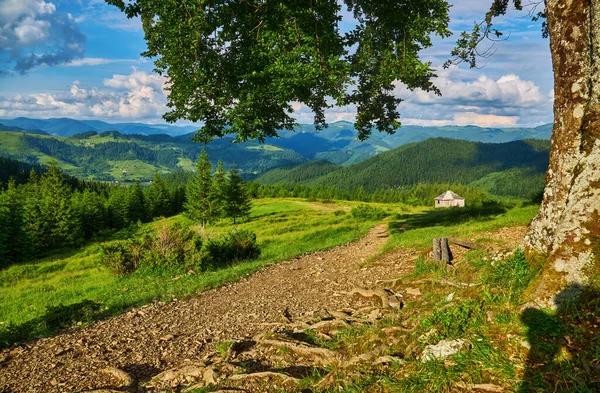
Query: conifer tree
x,y
199,205
237,201
159,198
218,190
136,204
13,240
89,207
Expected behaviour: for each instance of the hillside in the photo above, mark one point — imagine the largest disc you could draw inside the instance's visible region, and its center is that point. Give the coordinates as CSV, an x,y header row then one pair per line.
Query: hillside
x,y
114,156
514,168
338,143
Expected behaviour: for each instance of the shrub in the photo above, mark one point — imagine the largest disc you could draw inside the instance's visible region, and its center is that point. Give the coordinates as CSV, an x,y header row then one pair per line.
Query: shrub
x,y
367,212
177,248
237,245
454,320
121,257
339,212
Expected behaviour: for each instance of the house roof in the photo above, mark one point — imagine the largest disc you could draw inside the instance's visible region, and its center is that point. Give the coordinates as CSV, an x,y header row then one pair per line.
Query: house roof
x,y
448,196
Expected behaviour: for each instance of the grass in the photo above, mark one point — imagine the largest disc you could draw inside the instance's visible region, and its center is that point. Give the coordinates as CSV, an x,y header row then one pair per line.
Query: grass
x,y
418,230
284,228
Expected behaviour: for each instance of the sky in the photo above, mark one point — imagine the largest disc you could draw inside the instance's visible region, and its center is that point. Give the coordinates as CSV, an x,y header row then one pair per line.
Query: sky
x,y
81,59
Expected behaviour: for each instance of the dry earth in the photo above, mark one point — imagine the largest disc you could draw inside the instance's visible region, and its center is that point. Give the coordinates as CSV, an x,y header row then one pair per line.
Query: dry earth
x,y
151,339
147,341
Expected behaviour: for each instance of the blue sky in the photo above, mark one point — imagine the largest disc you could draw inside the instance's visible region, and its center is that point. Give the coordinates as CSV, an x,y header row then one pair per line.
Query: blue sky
x,y
81,59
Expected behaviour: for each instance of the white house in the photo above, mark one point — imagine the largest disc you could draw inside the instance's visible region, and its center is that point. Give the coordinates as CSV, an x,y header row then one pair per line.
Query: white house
x,y
449,199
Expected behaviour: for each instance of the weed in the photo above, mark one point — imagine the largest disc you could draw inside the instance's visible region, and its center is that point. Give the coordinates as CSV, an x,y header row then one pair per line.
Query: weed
x,y
223,347
454,320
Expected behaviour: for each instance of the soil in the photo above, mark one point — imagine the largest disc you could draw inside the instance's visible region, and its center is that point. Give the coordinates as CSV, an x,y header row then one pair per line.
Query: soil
x,y
149,340
145,341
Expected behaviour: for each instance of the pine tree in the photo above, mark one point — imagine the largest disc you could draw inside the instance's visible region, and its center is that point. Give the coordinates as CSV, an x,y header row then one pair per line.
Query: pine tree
x,y
136,204
89,207
199,205
159,198
218,190
116,208
237,201
13,241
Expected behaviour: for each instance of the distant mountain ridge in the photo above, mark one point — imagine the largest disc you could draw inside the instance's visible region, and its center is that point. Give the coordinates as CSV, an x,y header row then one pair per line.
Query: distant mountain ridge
x,y
338,143
69,127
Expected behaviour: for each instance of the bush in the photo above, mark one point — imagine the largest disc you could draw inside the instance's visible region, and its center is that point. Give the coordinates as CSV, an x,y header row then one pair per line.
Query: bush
x,y
238,245
455,320
177,248
367,212
121,257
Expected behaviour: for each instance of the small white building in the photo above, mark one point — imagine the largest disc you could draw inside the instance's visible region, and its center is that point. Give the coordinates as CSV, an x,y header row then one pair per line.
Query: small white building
x,y
449,199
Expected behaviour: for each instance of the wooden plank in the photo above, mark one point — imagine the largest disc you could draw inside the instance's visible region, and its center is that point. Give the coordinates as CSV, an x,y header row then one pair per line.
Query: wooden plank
x,y
446,253
466,244
437,249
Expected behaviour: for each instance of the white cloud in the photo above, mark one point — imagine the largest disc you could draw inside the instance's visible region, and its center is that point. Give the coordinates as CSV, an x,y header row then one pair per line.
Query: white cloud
x,y
32,34
137,96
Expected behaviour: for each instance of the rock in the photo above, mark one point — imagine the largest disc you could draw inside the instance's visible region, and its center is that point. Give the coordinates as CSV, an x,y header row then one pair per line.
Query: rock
x,y
443,349
413,291
189,373
210,376
450,297
168,337
121,376
375,315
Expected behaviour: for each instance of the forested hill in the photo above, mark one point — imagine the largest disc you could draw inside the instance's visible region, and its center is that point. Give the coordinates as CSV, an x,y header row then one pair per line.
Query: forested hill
x,y
114,156
513,169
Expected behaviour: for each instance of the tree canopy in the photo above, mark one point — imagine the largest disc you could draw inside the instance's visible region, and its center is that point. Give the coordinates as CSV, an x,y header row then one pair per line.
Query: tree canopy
x,y
239,66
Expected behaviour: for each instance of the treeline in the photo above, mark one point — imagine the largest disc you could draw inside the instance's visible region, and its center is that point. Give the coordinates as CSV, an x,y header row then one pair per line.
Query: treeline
x,y
417,195
50,212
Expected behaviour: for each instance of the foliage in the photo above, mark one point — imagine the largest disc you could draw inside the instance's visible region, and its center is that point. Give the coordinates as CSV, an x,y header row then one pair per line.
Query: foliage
x,y
367,212
177,248
199,205
236,66
236,201
514,169
237,245
453,321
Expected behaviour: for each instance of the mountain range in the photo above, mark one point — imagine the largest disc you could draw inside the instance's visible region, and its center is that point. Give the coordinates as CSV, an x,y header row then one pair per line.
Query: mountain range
x,y
338,143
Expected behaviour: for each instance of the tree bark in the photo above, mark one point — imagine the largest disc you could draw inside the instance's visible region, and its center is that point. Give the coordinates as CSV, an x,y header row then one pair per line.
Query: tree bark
x,y
567,228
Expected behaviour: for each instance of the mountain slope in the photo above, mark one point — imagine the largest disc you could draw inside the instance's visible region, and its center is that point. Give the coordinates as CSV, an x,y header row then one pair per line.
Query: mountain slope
x,y
114,156
515,168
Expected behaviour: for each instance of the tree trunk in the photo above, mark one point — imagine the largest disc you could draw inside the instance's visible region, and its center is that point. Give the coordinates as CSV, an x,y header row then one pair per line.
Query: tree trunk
x,y
567,228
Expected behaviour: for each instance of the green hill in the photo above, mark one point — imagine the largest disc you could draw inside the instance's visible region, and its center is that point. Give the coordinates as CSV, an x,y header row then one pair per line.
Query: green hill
x,y
512,169
112,156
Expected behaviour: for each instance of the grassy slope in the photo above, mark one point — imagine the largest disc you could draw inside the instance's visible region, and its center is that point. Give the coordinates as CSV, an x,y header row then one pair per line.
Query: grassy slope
x,y
284,228
249,157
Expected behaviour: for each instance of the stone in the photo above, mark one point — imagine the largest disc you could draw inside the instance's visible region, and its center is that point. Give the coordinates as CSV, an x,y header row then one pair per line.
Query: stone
x,y
443,349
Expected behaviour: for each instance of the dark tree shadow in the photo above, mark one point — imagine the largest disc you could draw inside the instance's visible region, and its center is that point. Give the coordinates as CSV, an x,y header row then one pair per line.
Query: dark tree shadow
x,y
565,344
446,217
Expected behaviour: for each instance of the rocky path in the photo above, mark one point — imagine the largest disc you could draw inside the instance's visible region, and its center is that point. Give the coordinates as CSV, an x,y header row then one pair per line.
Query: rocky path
x,y
146,341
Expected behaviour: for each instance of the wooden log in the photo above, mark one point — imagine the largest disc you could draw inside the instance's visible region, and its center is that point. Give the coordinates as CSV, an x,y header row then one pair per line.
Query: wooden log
x,y
437,250
465,243
446,253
